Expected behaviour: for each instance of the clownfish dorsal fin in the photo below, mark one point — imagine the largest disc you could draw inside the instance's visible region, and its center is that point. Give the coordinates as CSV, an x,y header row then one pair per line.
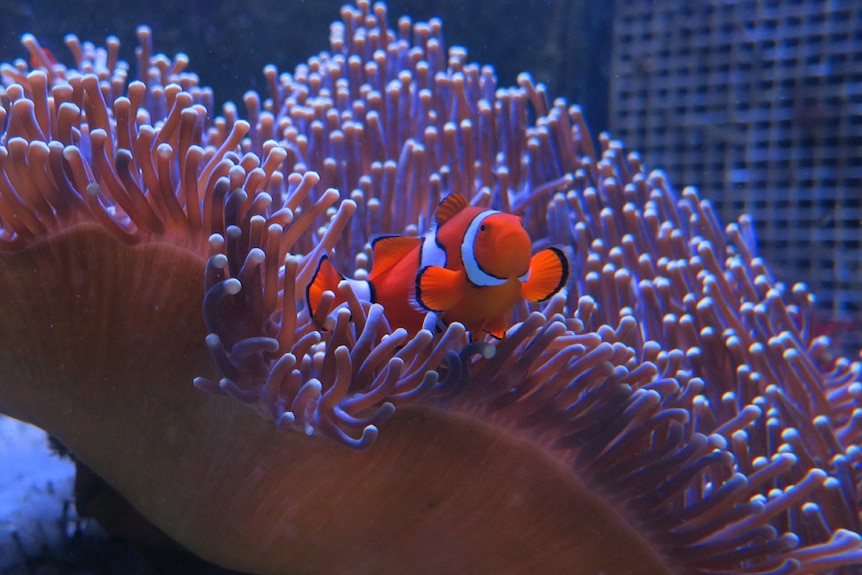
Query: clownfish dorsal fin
x,y
437,289
389,250
451,205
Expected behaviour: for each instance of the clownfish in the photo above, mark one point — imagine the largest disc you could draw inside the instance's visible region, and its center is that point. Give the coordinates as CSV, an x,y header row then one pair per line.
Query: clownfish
x,y
47,58
471,267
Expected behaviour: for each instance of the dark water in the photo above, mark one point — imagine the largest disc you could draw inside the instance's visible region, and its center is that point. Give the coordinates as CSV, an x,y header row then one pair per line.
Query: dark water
x,y
565,44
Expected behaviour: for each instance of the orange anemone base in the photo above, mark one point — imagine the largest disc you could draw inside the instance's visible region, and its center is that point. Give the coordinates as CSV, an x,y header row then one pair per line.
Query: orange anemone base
x,y
101,342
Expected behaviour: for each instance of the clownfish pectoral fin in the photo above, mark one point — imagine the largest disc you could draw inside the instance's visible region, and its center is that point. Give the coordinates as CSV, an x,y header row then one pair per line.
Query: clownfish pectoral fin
x,y
549,272
389,250
451,205
325,278
437,289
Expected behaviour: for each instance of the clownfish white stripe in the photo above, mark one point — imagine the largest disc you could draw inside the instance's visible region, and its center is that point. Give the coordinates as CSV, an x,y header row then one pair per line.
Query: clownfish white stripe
x,y
431,254
475,273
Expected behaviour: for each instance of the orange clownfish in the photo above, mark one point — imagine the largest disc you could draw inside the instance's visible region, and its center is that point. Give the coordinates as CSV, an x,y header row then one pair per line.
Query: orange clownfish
x,y
471,267
47,59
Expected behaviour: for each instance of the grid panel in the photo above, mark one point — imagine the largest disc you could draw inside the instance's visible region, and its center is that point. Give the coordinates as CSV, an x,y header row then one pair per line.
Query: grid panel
x,y
759,104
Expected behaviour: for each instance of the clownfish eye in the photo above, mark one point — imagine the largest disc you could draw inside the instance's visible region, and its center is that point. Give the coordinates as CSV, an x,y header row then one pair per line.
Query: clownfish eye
x,y
482,228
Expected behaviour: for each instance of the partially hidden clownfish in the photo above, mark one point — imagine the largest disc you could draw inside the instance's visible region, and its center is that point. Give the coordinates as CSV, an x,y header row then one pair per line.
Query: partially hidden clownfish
x,y
47,59
471,267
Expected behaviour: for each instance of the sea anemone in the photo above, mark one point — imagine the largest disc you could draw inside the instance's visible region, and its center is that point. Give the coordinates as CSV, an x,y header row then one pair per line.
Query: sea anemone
x,y
670,413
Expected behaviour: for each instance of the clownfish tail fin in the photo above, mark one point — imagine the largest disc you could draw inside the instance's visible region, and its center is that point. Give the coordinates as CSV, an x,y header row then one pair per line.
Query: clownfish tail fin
x,y
325,278
549,272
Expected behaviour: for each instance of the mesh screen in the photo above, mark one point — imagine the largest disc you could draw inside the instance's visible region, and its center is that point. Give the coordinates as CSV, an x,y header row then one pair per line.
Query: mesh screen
x,y
759,104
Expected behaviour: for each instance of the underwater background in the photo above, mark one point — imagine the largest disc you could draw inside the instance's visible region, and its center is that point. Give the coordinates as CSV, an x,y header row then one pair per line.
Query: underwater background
x,y
757,103
565,44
